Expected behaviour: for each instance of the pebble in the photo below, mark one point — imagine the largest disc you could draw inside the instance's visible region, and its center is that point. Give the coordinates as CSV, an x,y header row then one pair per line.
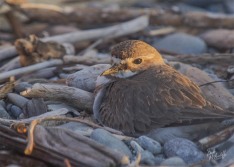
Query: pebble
x,y
149,144
103,137
181,43
185,149
226,155
147,157
173,161
17,100
229,6
3,113
22,86
14,111
86,79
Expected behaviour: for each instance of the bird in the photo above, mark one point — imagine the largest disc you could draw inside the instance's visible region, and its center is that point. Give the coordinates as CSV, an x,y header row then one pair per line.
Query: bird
x,y
140,92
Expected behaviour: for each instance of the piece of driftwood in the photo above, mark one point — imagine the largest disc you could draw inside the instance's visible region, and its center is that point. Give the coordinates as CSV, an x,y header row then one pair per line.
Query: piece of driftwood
x,y
12,64
220,59
96,16
114,31
60,112
36,122
7,52
51,146
29,69
8,158
15,23
6,88
76,97
216,138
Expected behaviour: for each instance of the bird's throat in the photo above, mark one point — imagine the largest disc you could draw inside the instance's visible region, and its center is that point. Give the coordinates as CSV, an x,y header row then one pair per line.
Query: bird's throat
x,y
125,74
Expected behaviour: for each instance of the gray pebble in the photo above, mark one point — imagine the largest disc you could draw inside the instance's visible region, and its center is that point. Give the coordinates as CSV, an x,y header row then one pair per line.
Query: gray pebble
x,y
226,156
3,113
173,161
181,43
149,144
147,158
17,100
14,111
229,5
107,139
185,149
22,86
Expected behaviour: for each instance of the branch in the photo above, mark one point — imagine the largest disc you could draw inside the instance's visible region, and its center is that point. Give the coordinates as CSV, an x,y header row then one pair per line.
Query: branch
x,y
29,69
118,30
74,96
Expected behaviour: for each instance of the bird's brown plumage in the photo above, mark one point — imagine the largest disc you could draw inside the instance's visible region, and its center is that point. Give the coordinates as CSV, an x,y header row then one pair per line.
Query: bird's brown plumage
x,y
155,97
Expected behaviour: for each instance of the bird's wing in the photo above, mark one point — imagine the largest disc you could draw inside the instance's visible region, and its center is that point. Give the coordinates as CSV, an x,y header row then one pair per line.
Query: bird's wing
x,y
168,97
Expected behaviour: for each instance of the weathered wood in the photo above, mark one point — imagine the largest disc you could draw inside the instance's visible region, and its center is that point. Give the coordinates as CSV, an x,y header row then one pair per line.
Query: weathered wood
x,y
29,69
73,96
51,146
114,31
215,139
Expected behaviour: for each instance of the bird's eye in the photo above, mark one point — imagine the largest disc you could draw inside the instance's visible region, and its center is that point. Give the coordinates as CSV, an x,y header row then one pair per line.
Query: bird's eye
x,y
137,61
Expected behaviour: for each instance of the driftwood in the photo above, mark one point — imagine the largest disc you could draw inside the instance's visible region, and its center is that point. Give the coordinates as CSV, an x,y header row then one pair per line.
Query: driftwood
x,y
29,69
96,16
74,96
52,147
215,139
118,30
223,59
60,112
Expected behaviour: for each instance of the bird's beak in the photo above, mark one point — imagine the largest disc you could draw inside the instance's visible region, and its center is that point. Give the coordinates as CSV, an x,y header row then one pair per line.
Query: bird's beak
x,y
114,69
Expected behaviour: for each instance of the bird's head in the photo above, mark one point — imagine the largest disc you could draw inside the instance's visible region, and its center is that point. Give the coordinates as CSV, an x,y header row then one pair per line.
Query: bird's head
x,y
131,57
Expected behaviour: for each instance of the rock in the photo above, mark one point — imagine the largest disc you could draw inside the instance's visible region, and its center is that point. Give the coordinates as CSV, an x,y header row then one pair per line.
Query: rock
x,y
107,139
17,100
173,161
190,132
147,158
181,43
86,78
149,144
184,149
226,156
220,38
3,113
22,86
158,159
14,111
229,6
